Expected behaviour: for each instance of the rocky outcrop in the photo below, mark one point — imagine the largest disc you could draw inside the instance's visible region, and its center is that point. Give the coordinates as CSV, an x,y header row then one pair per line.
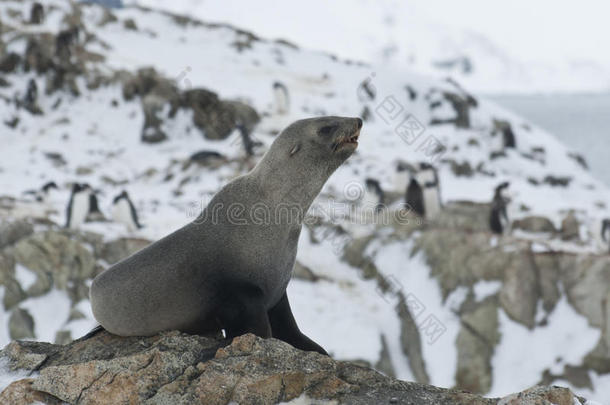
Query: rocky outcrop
x,y
55,260
174,368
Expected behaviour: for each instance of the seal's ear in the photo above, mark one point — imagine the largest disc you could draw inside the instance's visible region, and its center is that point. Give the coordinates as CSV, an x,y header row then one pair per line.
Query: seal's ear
x,y
295,149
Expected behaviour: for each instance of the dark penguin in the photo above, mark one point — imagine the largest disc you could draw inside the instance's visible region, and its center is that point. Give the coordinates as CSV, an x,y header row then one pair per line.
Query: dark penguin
x,y
373,198
498,218
227,270
42,194
30,101
415,197
282,102
366,91
124,211
64,42
36,13
78,207
246,139
94,213
423,191
605,234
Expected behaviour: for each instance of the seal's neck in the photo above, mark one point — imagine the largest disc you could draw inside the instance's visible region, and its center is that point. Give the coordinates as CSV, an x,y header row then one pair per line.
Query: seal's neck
x,y
291,183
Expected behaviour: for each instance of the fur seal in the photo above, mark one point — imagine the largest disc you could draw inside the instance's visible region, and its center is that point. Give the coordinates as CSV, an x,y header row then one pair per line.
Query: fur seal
x,y
229,268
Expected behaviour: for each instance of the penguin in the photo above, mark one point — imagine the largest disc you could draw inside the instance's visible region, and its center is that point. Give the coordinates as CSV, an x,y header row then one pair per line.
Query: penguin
x,y
373,196
42,195
94,214
124,211
415,197
281,98
248,142
427,177
498,218
366,92
605,233
36,13
78,207
30,101
423,191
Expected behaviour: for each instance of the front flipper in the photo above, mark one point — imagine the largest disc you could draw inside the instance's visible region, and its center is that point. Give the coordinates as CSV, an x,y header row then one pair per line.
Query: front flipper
x,y
242,311
284,327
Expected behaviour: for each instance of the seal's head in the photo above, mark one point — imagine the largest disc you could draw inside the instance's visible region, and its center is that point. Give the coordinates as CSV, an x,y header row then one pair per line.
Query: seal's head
x,y
325,140
308,151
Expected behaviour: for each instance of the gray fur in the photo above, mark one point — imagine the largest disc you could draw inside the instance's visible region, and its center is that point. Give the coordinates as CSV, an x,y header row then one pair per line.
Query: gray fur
x,y
184,280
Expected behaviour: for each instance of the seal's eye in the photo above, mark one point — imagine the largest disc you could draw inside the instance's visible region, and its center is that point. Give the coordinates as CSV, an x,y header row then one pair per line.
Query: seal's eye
x,y
327,130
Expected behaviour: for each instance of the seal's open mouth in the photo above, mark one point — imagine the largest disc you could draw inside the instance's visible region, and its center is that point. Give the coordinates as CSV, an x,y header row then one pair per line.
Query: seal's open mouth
x,y
351,140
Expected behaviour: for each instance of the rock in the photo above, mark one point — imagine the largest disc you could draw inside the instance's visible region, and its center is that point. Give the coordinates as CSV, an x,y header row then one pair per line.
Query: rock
x,y
303,273
384,364
63,337
9,62
579,159
554,181
21,324
549,269
130,24
570,227
243,114
503,128
152,105
119,249
534,224
175,368
541,396
520,289
461,105
21,393
58,261
587,282
207,158
12,231
38,53
210,114
475,343
461,169
13,293
410,339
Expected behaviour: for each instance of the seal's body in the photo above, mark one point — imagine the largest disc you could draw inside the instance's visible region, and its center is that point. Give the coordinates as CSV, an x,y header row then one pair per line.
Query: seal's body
x,y
230,267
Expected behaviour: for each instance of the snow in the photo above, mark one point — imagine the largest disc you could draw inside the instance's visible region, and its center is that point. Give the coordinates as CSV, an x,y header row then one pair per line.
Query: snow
x,y
24,276
565,340
513,46
484,288
7,376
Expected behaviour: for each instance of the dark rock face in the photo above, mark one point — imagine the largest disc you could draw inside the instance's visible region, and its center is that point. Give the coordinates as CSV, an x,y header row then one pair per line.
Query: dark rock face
x,y
535,224
175,368
216,118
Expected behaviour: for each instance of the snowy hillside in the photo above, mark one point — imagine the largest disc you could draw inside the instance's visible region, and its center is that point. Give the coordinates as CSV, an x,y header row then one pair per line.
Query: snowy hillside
x,y
490,47
95,103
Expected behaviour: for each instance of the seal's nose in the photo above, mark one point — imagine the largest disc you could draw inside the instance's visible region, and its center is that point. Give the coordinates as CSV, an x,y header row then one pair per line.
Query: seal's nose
x,y
359,123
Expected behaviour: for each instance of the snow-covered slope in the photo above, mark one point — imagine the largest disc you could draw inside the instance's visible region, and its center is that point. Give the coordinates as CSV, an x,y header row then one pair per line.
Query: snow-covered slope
x,y
94,137
491,47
